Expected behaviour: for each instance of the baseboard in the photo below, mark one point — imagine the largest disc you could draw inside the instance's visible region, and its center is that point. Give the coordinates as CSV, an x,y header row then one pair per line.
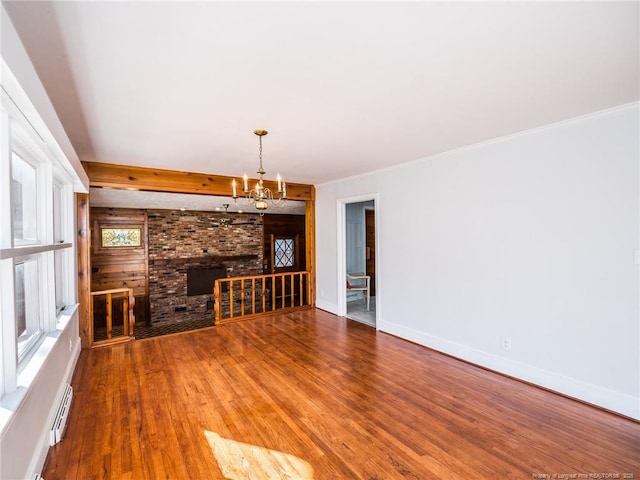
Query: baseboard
x,y
327,306
42,449
597,395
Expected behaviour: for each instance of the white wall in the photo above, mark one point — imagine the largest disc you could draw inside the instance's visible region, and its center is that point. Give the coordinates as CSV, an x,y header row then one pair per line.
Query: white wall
x,y
531,237
26,414
24,440
38,109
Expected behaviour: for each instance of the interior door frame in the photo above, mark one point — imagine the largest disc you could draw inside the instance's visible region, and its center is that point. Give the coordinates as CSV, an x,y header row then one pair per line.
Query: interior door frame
x,y
341,255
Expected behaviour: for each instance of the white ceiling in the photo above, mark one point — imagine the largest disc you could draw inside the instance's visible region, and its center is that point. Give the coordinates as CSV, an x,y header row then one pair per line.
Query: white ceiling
x,y
343,87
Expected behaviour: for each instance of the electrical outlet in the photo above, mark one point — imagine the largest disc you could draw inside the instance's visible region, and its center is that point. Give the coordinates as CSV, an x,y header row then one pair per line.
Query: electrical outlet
x,y
505,342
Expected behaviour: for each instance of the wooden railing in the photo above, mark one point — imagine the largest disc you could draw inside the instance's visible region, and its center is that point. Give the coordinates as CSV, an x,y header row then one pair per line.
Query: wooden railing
x,y
128,315
239,298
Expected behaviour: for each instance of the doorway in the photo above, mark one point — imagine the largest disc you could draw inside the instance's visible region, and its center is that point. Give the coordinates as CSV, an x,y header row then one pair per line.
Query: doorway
x,y
359,260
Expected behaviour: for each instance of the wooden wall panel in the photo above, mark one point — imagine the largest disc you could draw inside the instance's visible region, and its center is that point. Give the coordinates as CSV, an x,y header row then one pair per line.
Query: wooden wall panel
x,y
84,269
121,267
284,226
310,244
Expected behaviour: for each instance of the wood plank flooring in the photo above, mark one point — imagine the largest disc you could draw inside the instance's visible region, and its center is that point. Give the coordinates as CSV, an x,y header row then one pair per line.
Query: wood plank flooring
x,y
310,395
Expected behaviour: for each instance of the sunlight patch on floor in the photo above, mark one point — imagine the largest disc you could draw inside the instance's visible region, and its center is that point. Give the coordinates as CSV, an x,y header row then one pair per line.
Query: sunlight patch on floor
x,y
242,461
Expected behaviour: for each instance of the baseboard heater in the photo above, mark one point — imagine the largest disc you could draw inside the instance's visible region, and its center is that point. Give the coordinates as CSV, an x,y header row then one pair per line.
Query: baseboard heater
x,y
62,414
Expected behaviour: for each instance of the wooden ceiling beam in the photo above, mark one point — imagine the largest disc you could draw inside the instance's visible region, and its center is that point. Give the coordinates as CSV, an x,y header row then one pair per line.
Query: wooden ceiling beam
x,y
159,180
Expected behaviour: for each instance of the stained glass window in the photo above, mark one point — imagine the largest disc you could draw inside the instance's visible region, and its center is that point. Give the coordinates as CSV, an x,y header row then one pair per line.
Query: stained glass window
x,y
121,237
283,249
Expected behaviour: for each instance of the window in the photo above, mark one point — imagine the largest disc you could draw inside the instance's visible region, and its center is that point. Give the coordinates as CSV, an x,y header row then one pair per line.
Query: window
x,y
60,270
36,228
58,236
61,205
20,313
23,188
27,305
283,252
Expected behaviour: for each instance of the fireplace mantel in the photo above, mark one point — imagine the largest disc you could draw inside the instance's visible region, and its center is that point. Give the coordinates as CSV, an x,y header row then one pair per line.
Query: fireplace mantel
x,y
202,259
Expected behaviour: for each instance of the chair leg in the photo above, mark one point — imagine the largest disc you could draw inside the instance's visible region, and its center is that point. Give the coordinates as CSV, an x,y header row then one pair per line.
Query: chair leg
x,y
368,298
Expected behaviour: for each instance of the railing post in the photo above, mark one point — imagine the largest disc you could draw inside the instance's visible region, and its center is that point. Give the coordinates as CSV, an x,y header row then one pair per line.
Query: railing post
x,y
253,295
91,338
109,317
283,292
217,299
125,315
243,297
132,314
301,274
292,302
273,292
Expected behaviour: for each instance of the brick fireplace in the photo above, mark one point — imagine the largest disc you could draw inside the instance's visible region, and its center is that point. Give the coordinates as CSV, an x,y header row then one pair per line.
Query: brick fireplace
x,y
183,241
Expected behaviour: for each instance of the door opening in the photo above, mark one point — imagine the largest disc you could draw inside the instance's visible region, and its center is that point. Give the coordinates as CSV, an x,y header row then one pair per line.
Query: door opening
x,y
359,253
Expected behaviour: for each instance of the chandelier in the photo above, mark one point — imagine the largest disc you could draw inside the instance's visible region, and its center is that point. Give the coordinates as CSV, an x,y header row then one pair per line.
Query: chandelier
x,y
260,196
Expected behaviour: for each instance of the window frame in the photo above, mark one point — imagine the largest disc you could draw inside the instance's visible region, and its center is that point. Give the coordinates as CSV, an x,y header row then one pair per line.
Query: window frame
x,y
34,328
51,250
24,156
289,244
295,253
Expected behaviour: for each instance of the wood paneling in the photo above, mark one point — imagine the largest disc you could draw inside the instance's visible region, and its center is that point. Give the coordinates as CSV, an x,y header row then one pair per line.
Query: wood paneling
x,y
370,248
310,244
158,180
84,269
121,267
284,226
351,402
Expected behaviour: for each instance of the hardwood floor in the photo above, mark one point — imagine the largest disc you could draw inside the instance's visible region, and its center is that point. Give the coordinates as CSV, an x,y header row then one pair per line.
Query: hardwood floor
x,y
311,395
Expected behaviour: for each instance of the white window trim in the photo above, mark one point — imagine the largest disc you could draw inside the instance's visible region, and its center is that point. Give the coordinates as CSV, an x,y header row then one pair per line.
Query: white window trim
x,y
19,135
7,328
